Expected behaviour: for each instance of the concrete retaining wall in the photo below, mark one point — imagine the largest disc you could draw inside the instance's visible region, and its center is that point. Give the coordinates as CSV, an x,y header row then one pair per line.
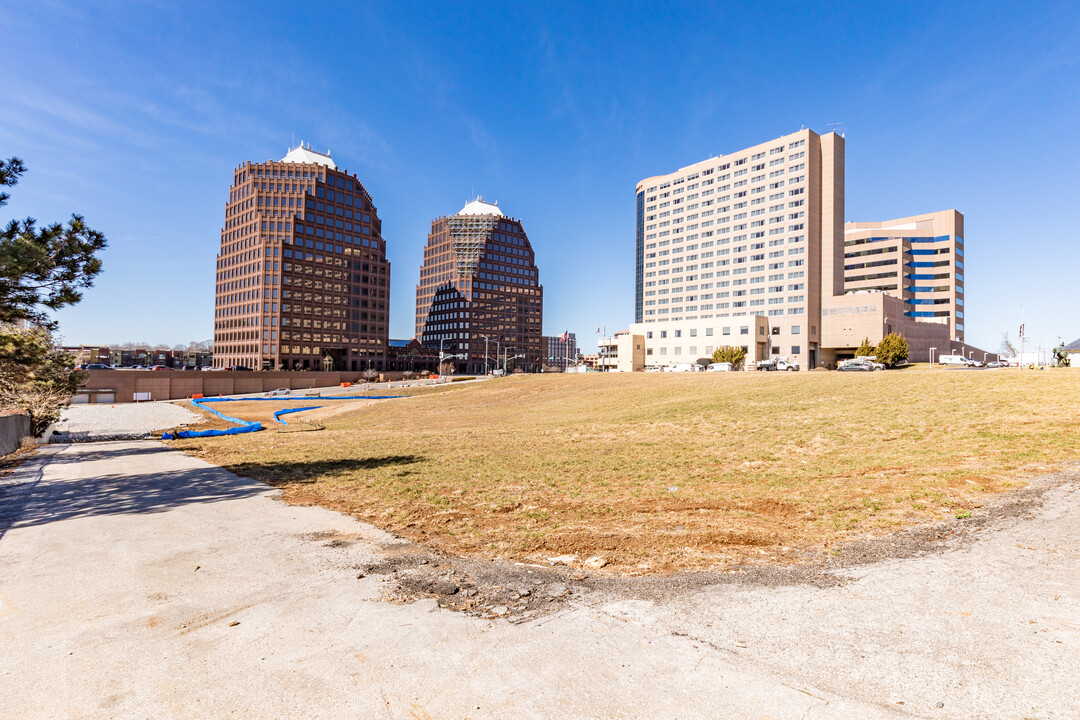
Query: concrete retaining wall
x,y
121,386
13,428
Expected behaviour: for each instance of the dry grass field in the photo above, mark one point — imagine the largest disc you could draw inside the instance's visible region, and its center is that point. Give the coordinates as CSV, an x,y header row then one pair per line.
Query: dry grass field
x,y
656,472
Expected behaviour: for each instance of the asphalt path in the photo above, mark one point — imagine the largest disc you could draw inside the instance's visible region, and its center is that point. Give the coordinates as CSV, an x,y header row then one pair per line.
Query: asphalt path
x,y
139,582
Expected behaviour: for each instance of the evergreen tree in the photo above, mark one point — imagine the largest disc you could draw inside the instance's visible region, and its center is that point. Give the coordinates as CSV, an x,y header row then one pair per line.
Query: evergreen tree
x,y
43,268
892,350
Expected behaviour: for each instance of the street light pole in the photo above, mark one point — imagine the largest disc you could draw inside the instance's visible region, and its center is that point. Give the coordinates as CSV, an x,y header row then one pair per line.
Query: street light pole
x,y
442,355
507,357
485,353
932,357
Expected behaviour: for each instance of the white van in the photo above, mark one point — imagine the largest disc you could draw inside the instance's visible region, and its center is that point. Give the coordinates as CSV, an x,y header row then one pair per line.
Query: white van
x,y
682,367
954,360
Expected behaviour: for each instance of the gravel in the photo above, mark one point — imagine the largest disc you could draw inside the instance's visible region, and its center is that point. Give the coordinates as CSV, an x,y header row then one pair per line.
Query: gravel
x,y
88,423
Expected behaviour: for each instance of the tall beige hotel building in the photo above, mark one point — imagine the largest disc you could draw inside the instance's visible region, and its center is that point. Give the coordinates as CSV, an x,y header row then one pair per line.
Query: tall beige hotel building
x,y
738,250
751,249
302,279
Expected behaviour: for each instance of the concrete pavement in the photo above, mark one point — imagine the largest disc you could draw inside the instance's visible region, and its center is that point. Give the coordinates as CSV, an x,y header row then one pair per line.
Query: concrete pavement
x,y
138,582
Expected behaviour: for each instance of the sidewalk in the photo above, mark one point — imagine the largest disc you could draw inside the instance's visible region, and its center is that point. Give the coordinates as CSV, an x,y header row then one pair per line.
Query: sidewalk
x,y
139,582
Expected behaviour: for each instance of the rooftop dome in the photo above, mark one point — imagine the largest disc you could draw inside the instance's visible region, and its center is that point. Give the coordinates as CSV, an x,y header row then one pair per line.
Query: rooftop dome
x,y
304,154
479,207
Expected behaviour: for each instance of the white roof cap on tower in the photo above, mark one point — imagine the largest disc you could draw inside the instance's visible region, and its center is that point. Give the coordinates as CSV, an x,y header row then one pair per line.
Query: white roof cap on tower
x,y
479,207
302,154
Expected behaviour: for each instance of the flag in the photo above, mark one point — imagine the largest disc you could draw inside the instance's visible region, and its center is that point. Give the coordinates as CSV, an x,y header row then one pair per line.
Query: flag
x,y
598,330
565,335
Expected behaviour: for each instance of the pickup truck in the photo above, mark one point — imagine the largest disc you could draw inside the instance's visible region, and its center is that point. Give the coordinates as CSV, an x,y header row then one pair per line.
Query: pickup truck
x,y
777,363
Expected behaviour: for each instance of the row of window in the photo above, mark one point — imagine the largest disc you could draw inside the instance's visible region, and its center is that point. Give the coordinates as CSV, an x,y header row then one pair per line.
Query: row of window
x,y
737,163
693,332
692,350
687,204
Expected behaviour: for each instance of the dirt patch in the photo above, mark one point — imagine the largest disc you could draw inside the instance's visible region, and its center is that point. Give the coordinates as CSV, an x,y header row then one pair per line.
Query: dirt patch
x,y
477,587
521,592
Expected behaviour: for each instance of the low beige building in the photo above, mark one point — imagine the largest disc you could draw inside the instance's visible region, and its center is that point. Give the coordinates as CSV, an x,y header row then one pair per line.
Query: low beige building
x,y
847,320
631,352
687,341
623,352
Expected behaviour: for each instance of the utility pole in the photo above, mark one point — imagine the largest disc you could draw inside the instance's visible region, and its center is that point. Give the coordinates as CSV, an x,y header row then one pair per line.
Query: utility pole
x,y
1020,365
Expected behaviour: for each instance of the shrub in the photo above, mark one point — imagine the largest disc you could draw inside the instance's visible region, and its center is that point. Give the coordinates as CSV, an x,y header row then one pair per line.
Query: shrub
x,y
730,353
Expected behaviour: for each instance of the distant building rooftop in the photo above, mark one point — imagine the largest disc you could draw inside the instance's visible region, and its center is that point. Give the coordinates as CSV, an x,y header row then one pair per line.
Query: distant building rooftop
x,y
479,207
304,154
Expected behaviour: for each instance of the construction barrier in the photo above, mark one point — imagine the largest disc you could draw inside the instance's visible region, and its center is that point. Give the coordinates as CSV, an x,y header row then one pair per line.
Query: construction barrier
x,y
286,411
248,426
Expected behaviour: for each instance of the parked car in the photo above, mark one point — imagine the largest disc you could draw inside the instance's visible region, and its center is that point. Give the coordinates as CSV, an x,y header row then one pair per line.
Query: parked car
x,y
719,367
161,367
238,368
872,360
279,391
997,364
654,368
96,366
855,366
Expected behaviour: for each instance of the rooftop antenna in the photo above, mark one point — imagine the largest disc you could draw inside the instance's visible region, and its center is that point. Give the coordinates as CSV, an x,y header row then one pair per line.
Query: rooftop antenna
x,y
837,127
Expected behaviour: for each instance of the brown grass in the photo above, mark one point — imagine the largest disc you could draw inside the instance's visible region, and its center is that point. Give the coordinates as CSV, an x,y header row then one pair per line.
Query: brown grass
x,y
672,471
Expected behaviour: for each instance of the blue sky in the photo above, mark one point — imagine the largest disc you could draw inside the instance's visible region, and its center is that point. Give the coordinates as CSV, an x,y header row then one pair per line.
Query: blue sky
x,y
134,115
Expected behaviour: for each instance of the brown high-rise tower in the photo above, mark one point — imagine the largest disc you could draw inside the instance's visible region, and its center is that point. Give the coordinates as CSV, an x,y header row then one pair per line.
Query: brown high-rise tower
x,y
302,276
480,288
